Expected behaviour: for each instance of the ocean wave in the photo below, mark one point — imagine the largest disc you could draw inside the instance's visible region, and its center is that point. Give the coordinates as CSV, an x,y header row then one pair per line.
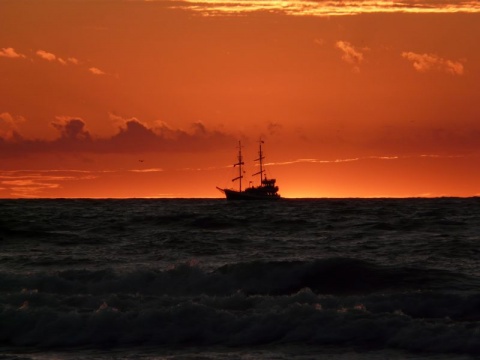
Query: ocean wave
x,y
337,301
237,320
392,274
323,276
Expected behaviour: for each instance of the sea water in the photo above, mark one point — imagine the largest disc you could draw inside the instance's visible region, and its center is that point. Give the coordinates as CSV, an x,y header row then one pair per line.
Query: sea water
x,y
211,279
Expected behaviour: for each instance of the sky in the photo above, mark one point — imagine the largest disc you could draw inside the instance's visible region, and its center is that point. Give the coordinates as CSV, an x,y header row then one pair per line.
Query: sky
x,y
132,98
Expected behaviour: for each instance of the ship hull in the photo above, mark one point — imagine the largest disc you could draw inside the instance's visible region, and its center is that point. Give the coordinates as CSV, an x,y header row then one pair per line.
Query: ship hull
x,y
242,195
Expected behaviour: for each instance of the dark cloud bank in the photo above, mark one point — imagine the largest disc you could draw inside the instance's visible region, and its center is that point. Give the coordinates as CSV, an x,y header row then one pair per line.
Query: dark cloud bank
x,y
133,137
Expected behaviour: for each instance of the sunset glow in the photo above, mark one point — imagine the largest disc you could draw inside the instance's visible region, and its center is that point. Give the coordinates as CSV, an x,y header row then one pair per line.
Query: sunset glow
x,y
150,98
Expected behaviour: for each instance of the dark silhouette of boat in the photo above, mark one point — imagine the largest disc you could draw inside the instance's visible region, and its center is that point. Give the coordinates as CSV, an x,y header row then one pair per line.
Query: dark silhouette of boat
x,y
267,190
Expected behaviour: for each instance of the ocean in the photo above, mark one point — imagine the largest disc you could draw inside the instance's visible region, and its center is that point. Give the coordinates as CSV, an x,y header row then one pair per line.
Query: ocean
x,y
211,279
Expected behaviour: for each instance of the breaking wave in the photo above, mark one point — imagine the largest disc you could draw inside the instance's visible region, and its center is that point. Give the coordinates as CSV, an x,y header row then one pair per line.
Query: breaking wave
x,y
325,302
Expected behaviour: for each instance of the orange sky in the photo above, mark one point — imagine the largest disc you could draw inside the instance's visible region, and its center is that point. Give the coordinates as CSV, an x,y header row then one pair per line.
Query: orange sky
x,y
149,98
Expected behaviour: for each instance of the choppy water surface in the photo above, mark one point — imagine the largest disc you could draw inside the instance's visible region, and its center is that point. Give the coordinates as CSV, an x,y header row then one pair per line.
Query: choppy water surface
x,y
210,279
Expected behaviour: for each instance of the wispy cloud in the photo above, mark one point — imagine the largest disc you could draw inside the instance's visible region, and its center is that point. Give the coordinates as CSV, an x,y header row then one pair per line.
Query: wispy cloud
x,y
38,183
325,7
51,57
350,54
96,71
45,55
10,53
33,183
363,158
429,62
312,161
73,60
152,170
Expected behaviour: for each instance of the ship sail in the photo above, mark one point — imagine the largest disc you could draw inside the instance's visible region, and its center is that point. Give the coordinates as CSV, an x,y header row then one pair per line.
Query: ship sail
x,y
267,190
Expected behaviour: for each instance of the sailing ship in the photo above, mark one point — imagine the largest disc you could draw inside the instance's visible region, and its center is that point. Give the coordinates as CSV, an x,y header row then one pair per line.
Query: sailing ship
x,y
267,190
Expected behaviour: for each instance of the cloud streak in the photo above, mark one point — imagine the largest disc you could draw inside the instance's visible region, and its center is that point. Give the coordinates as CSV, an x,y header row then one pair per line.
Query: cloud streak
x,y
45,55
50,57
350,54
32,183
363,158
325,7
151,170
432,62
96,71
38,183
10,53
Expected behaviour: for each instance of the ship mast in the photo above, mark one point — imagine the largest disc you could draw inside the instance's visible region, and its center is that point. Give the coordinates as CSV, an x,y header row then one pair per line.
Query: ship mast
x,y
260,160
239,164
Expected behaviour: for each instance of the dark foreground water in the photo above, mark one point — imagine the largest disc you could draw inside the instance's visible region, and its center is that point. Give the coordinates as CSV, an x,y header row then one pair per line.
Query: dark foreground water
x,y
208,279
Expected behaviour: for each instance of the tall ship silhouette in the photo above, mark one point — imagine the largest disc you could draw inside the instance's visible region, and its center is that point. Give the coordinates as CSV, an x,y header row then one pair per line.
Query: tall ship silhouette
x,y
267,190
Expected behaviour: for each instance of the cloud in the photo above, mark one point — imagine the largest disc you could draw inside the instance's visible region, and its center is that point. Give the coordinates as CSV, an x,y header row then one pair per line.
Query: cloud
x,y
347,160
199,128
46,55
73,60
43,183
325,7
350,54
135,136
10,53
9,125
151,170
96,71
52,57
429,62
11,120
28,183
132,137
71,129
